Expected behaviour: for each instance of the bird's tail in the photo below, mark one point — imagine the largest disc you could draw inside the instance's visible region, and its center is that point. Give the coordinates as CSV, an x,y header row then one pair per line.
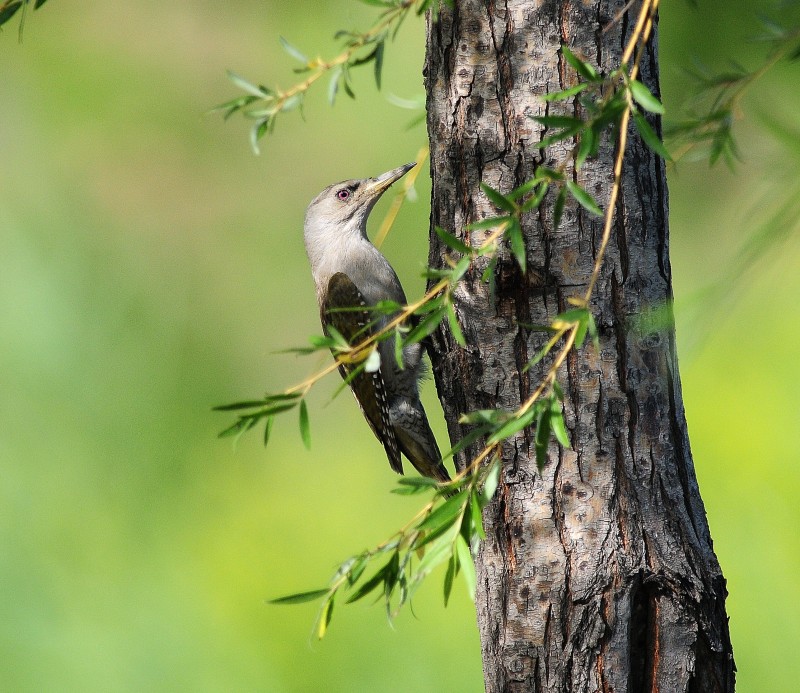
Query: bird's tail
x,y
416,441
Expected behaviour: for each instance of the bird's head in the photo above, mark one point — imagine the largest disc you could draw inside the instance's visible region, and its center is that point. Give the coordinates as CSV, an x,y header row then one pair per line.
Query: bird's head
x,y
344,207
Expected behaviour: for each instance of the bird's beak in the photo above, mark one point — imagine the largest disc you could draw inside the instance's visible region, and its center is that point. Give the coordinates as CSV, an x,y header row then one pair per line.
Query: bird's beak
x,y
376,186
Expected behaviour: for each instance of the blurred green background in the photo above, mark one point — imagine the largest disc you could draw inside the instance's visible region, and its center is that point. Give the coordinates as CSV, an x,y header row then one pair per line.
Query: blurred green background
x,y
150,265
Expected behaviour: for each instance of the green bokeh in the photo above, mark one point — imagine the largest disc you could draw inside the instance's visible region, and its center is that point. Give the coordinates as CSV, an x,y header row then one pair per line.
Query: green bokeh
x,y
150,267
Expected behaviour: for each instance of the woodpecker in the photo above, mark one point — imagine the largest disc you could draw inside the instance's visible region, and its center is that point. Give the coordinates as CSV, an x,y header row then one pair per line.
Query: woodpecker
x,y
350,272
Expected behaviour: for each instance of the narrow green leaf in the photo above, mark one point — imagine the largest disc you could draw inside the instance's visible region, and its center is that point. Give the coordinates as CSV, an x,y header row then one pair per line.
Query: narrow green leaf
x,y
292,103
387,307
230,107
566,93
558,136
392,572
611,112
467,440
477,516
460,270
452,242
300,597
445,513
234,429
257,132
425,327
467,565
321,342
333,85
557,424
325,618
337,336
368,586
498,199
538,356
515,240
348,89
423,481
488,223
645,98
584,198
276,408
407,490
282,397
523,189
439,551
583,326
455,328
542,437
649,136
294,52
9,11
244,85
349,378
588,138
448,578
723,144
413,485
548,174
357,569
379,63
305,430
593,332
268,429
426,538
249,404
490,483
512,426
355,62
536,200
572,315
431,306
583,69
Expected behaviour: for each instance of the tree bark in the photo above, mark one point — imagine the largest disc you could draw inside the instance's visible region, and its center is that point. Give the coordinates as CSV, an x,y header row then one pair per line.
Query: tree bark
x,y
597,574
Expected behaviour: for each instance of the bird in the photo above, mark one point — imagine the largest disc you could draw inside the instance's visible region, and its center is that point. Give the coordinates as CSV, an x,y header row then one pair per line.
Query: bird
x,y
350,272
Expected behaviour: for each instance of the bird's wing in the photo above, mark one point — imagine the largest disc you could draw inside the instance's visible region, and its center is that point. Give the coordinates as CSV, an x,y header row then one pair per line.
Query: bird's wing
x,y
369,388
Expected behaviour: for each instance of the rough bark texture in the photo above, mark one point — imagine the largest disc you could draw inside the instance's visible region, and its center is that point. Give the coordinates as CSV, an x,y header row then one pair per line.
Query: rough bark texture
x,y
599,574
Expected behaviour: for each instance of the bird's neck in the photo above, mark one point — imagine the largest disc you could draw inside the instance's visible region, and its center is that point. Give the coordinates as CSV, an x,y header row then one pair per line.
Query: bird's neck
x,y
332,250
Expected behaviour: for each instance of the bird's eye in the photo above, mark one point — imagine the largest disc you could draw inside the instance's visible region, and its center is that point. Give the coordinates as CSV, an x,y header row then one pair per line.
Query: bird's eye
x,y
343,194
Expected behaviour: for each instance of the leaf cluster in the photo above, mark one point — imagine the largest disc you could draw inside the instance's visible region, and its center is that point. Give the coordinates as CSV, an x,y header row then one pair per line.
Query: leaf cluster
x,y
544,416
601,101
407,325
263,104
251,412
445,531
714,107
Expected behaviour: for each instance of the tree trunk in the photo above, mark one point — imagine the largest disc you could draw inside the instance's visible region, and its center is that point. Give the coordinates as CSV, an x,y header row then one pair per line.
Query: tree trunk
x,y
597,574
